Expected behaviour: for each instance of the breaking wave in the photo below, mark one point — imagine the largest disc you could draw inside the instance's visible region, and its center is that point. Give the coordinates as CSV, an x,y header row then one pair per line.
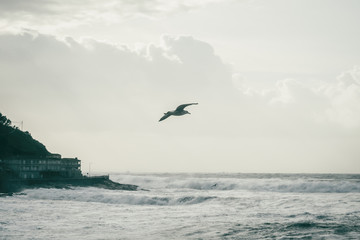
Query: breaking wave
x,y
173,190
112,197
291,185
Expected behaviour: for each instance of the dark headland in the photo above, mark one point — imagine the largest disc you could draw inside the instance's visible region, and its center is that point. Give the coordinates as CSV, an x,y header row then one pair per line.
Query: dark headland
x,y
26,163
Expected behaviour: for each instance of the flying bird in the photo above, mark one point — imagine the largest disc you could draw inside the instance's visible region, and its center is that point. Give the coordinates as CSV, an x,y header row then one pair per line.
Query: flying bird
x,y
179,111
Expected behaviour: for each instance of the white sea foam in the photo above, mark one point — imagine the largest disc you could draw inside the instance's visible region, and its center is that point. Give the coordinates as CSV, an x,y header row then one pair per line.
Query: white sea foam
x,y
296,185
190,206
113,197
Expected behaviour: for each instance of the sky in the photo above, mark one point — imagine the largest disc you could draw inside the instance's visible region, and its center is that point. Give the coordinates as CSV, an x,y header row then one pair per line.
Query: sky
x,y
277,82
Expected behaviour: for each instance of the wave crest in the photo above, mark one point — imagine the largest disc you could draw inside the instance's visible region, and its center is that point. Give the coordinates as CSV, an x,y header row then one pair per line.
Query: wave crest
x,y
296,185
112,197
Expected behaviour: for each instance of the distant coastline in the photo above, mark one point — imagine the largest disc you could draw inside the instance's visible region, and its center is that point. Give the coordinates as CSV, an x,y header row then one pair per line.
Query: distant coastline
x,y
26,163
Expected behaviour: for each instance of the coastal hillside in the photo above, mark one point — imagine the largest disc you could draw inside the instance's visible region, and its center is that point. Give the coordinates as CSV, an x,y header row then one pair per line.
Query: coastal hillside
x,y
26,163
14,142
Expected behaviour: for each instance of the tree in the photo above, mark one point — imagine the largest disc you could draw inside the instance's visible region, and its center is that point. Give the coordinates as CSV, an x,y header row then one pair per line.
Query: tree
x,y
4,120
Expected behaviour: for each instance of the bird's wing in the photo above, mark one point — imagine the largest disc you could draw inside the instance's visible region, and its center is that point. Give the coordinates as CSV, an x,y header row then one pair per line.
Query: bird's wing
x,y
182,106
166,115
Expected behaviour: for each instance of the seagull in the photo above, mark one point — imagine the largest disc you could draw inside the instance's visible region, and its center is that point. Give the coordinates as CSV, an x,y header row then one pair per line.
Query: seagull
x,y
179,111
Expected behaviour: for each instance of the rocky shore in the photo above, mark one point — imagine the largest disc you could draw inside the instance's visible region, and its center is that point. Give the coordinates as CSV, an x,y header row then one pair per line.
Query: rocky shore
x,y
16,185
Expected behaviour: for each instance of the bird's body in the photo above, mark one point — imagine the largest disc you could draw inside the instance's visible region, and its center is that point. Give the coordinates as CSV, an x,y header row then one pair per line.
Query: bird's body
x,y
179,111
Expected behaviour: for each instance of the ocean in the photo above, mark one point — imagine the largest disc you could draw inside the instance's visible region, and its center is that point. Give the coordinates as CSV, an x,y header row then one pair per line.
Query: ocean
x,y
191,206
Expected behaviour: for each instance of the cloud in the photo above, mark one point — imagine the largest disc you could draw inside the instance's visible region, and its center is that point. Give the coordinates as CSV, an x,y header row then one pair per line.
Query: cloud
x,y
345,99
337,102
293,108
50,14
107,79
104,78
102,101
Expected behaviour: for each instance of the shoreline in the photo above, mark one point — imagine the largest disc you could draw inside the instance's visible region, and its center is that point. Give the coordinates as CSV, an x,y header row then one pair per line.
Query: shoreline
x,y
14,185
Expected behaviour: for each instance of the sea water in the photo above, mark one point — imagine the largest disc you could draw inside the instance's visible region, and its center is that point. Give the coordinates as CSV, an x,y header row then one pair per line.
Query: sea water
x,y
191,206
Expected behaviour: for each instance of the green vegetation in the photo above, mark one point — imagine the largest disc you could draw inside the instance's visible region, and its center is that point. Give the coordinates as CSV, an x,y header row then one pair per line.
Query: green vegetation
x,y
14,142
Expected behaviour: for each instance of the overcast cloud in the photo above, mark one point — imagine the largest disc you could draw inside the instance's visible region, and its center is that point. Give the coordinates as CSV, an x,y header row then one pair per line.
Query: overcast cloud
x,y
51,15
101,100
